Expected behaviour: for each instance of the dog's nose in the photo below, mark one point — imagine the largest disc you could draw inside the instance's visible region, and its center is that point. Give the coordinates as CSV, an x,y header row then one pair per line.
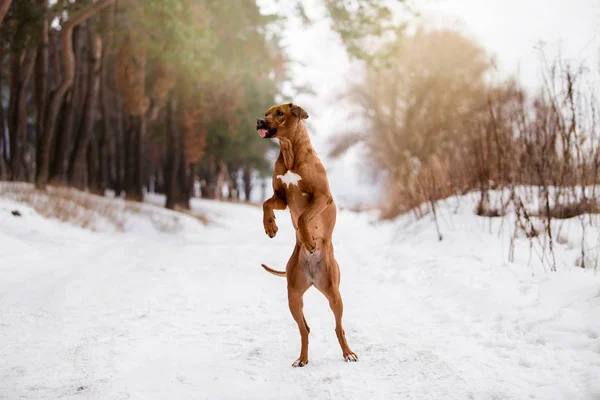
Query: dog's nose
x,y
260,123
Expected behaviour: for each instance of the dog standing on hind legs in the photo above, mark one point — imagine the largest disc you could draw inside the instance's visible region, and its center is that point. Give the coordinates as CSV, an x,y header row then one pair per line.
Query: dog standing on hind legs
x,y
300,183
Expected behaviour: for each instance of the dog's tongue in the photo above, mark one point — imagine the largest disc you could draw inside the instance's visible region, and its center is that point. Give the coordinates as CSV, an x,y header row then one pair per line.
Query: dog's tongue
x,y
262,132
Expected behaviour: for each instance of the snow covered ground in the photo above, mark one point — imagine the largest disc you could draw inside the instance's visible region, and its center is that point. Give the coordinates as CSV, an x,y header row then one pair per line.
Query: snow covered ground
x,y
190,314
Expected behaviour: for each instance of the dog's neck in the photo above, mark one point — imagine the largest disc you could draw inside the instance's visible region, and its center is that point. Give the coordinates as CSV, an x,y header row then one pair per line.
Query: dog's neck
x,y
290,147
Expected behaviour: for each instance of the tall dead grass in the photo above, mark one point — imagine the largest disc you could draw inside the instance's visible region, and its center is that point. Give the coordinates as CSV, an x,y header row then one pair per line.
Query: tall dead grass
x,y
87,210
437,129
543,151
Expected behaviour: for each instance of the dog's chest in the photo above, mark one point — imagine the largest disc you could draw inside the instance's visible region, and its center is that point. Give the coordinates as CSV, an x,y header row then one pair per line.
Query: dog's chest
x,y
289,178
293,184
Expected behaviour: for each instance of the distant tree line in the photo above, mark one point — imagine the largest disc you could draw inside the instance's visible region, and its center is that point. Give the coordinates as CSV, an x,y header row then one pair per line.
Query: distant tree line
x,y
130,94
135,95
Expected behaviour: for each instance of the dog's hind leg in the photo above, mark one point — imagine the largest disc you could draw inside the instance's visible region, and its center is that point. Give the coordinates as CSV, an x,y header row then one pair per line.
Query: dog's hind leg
x,y
330,288
337,306
296,302
297,285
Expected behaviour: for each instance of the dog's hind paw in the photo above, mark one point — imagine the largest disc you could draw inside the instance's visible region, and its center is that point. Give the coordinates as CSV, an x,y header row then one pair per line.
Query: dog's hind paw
x,y
299,363
351,357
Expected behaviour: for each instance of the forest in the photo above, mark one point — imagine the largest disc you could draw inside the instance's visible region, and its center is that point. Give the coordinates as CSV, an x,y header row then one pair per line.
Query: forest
x,y
134,96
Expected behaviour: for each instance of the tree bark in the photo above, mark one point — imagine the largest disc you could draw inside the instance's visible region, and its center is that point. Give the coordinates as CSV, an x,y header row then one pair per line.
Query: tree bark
x,y
78,170
119,153
134,158
3,169
21,70
73,101
54,78
58,95
210,178
3,141
129,163
93,166
247,177
106,141
56,72
4,5
173,154
186,182
137,191
131,78
41,74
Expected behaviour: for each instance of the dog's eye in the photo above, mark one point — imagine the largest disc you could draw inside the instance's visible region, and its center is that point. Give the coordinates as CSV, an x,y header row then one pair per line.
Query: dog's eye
x,y
279,113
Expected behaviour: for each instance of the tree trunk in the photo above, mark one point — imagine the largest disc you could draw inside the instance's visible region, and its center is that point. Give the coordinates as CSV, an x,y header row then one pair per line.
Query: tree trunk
x,y
93,167
181,176
21,71
73,101
54,78
131,78
4,5
58,95
129,162
138,190
3,141
210,178
3,169
134,158
119,153
56,72
186,183
41,74
77,171
106,141
173,154
104,165
247,177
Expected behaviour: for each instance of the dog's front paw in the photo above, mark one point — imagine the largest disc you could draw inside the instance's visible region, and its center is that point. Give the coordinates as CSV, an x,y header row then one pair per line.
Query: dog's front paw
x,y
350,357
310,245
308,240
270,226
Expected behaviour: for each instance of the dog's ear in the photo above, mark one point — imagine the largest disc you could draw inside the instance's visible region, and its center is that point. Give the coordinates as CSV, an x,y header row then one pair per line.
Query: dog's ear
x,y
298,111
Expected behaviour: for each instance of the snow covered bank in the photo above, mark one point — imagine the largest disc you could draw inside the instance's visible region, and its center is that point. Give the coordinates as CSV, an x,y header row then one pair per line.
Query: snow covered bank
x,y
95,212
189,313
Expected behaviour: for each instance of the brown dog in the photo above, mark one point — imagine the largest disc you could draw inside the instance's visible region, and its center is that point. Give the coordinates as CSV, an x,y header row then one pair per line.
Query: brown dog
x,y
300,183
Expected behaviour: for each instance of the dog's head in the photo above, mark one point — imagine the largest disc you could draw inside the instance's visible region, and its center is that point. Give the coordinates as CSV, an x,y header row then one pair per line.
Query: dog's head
x,y
280,121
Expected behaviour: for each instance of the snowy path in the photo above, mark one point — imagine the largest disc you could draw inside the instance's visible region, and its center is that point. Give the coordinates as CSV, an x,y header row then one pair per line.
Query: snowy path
x,y
192,315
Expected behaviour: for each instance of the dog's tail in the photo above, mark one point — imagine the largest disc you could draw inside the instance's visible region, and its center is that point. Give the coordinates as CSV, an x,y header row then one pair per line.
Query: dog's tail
x,y
274,272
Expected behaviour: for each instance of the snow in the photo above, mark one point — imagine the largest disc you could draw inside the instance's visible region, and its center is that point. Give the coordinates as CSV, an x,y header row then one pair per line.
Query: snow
x,y
189,312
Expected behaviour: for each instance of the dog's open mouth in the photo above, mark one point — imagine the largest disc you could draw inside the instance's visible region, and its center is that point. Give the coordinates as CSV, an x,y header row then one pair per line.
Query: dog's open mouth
x,y
262,127
266,133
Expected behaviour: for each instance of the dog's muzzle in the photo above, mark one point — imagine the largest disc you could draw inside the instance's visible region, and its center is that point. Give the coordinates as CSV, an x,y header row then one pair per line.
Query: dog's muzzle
x,y
263,129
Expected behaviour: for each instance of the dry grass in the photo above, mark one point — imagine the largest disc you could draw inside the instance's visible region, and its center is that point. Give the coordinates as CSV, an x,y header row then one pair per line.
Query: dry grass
x,y
91,211
444,132
199,216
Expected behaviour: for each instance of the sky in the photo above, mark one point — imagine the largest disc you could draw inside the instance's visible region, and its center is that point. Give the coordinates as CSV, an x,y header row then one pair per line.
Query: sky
x,y
510,30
